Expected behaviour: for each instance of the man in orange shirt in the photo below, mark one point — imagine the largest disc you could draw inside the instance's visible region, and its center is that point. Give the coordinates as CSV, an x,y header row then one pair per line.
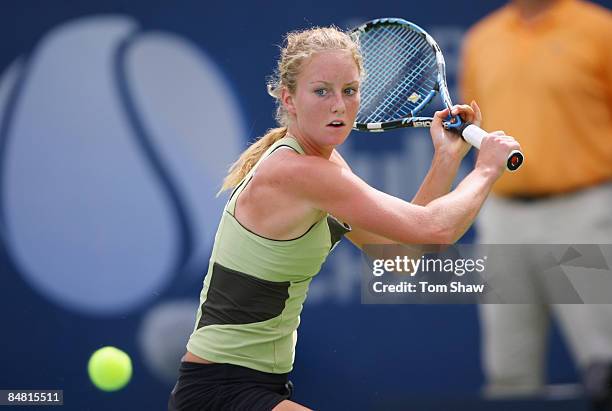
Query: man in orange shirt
x,y
542,71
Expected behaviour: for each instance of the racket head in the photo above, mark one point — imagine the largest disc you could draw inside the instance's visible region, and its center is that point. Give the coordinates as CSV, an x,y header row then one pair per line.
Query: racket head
x,y
404,70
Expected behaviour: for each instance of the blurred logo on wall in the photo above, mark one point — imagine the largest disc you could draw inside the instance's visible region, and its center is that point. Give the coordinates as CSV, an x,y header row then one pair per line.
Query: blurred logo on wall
x,y
113,143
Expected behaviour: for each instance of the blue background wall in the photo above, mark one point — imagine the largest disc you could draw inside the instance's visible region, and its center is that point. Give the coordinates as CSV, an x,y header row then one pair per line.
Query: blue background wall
x,y
118,120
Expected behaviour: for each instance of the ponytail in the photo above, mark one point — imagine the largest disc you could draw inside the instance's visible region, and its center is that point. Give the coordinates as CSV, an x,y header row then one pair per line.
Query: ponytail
x,y
250,156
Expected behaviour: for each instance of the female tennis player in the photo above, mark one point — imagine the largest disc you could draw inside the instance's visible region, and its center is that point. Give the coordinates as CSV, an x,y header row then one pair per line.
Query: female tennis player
x,y
293,198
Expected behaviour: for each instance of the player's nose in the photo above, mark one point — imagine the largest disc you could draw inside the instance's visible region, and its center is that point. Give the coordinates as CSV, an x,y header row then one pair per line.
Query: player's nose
x,y
338,105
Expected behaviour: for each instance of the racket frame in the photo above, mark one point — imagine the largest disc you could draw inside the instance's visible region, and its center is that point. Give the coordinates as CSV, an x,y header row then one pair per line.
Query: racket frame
x,y
466,130
441,85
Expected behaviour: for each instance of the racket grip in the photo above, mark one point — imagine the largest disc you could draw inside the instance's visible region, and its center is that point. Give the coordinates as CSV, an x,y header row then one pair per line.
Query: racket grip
x,y
474,135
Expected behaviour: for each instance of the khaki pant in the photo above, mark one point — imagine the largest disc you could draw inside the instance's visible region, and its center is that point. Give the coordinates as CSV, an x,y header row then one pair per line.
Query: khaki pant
x,y
515,335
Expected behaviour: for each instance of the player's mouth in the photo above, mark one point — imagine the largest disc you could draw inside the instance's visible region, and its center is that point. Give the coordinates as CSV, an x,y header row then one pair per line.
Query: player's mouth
x,y
336,124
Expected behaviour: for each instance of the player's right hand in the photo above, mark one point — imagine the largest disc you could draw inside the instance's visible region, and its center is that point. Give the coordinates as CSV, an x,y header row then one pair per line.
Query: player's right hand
x,y
495,149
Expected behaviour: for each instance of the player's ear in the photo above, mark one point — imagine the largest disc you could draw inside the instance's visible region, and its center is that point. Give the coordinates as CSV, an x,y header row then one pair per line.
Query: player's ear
x,y
287,100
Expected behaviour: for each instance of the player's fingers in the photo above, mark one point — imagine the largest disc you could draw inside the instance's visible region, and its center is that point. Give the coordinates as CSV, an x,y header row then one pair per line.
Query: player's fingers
x,y
513,143
439,117
508,138
477,111
504,140
466,112
465,108
500,135
442,114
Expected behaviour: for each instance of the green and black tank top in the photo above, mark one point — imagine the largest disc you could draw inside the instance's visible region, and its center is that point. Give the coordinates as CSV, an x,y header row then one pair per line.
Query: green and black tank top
x,y
255,287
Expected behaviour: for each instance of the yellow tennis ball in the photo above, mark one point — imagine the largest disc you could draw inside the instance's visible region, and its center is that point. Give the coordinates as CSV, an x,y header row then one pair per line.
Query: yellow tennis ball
x,y
109,368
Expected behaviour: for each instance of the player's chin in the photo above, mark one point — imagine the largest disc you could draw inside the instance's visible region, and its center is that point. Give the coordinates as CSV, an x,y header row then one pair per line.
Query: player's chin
x,y
337,134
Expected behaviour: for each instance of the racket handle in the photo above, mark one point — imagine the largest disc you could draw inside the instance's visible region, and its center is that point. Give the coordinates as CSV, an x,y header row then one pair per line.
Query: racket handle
x,y
474,135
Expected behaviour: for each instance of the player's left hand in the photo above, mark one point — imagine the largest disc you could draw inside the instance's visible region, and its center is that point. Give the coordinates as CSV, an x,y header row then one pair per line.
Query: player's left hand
x,y
449,142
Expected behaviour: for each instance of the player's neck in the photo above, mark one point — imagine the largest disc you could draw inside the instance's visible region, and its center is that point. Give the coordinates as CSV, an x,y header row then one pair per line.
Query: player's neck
x,y
308,146
532,9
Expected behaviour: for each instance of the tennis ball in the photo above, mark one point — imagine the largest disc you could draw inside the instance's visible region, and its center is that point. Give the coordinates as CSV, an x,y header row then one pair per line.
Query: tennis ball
x,y
109,368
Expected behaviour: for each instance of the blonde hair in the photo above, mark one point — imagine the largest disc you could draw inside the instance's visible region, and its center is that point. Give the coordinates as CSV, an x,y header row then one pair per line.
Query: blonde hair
x,y
299,46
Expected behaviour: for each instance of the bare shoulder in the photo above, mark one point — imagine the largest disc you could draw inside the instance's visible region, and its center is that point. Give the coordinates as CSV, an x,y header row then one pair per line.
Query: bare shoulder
x,y
317,182
269,206
293,170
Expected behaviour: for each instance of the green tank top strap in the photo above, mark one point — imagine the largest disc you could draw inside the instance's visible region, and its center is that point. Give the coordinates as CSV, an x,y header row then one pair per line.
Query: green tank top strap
x,y
283,142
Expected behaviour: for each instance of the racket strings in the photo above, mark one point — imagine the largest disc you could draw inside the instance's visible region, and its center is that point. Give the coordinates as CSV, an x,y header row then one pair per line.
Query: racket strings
x,y
400,82
398,63
381,68
387,41
395,100
380,44
410,86
406,83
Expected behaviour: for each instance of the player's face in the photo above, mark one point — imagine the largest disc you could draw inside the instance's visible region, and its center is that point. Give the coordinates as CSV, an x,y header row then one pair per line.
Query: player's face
x,y
326,98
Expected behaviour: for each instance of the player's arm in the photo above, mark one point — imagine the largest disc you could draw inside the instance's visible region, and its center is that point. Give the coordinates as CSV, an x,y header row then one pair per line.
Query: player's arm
x,y
328,186
450,149
439,179
358,235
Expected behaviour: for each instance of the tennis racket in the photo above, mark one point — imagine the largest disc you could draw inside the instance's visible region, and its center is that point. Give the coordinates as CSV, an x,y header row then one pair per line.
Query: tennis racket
x,y
405,69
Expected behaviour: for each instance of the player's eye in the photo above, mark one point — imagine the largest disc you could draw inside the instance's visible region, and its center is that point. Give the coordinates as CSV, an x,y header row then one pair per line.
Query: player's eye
x,y
320,92
349,91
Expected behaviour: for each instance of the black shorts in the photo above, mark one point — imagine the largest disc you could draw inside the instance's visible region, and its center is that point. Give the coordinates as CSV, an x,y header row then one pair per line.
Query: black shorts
x,y
227,387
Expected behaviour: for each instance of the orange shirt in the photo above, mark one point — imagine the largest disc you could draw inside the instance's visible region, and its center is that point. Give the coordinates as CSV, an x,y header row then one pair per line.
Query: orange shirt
x,y
548,83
